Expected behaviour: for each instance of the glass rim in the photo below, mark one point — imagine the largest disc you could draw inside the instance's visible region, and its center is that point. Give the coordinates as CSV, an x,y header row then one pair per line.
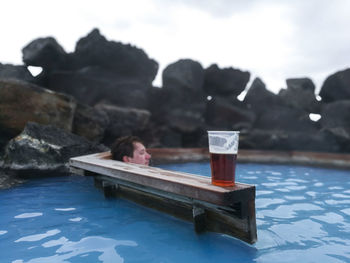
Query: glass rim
x,y
223,131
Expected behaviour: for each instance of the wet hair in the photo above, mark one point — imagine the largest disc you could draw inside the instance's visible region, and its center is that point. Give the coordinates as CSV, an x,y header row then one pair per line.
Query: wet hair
x,y
124,146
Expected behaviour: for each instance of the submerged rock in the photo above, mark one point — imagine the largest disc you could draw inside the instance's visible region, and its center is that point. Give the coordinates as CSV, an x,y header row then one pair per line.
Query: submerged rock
x,y
8,180
45,150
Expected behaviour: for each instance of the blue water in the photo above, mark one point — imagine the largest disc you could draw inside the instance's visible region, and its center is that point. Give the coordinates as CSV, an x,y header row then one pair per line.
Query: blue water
x,y
303,215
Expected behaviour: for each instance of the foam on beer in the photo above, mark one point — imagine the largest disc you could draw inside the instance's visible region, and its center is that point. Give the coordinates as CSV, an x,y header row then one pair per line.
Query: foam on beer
x,y
223,142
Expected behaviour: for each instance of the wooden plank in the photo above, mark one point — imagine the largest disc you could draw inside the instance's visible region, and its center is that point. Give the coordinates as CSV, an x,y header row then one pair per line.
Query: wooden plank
x,y
229,210
185,184
205,216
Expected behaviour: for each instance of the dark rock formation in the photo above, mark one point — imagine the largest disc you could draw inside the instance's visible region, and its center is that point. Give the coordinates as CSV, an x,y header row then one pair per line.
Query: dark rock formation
x,y
93,85
301,84
225,82
229,115
273,113
110,94
90,123
336,87
281,123
184,74
289,141
181,102
8,180
8,71
300,94
21,102
336,114
123,121
98,70
45,53
126,60
259,99
336,120
285,119
182,85
45,149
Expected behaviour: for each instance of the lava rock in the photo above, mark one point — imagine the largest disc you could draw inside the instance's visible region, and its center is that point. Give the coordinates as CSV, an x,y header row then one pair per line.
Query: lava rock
x,y
336,114
226,81
123,121
21,102
336,87
45,53
335,118
45,150
286,119
123,59
301,84
19,72
300,94
289,141
259,99
185,74
231,115
93,85
90,123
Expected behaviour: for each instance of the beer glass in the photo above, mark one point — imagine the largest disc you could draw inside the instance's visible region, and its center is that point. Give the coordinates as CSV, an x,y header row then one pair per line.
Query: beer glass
x,y
223,148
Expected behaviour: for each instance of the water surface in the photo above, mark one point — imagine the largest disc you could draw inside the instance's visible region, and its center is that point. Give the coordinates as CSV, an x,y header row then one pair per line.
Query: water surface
x,y
303,215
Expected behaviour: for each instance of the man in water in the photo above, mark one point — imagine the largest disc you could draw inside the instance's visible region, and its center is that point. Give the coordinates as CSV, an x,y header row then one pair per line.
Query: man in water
x,y
130,149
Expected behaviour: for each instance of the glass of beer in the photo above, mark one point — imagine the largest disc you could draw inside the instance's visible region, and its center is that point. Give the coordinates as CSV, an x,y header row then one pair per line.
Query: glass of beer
x,y
223,148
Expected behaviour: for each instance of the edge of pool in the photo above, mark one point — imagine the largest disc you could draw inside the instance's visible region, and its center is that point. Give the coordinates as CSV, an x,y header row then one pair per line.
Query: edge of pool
x,y
320,159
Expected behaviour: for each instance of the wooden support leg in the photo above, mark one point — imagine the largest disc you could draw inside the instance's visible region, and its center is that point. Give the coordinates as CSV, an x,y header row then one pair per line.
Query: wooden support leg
x,y
252,221
109,189
98,183
198,219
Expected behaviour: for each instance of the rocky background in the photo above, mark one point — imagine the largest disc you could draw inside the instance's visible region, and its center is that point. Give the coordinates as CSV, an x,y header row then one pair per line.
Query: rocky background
x,y
83,100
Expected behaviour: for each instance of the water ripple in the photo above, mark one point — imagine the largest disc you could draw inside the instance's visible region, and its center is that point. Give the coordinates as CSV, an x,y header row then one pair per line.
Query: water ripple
x,y
84,248
28,215
38,237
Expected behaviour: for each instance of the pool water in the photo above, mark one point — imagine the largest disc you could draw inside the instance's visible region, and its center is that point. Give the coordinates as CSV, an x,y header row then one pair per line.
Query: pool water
x,y
303,215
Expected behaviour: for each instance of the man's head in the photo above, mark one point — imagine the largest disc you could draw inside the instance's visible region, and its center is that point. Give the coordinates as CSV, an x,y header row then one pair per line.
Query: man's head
x,y
130,149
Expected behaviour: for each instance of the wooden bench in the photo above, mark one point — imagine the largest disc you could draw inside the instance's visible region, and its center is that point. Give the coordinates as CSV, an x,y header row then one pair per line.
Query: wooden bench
x,y
229,210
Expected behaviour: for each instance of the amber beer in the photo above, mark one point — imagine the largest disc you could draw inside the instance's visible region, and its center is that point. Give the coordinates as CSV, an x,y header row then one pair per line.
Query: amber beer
x,y
223,169
223,148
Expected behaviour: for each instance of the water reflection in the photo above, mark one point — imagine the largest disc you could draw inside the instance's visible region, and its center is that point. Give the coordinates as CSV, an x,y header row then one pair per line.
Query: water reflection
x,y
84,248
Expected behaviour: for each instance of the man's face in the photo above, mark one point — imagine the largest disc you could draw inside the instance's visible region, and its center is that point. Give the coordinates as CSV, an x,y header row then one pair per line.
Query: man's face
x,y
140,156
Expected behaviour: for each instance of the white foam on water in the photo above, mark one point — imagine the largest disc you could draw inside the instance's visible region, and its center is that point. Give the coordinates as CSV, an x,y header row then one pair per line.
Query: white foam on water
x,y
65,209
38,237
76,219
28,215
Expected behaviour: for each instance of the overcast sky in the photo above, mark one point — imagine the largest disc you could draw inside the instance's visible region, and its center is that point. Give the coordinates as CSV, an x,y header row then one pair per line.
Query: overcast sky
x,y
272,39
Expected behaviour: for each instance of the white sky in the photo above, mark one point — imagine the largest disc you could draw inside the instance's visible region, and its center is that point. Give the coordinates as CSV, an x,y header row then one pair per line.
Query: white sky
x,y
272,39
